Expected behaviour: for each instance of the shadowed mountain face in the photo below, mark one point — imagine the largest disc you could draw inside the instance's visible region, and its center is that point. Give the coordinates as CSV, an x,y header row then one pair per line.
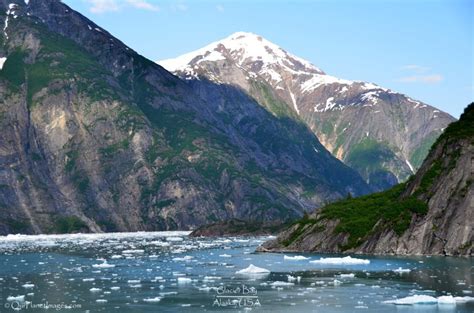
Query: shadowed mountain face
x,y
94,137
432,213
382,134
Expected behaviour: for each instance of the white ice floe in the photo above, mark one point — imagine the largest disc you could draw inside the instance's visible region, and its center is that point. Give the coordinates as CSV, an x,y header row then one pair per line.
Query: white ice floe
x,y
225,255
103,265
174,239
16,298
424,299
252,269
281,284
184,258
152,300
134,251
184,280
28,286
351,275
295,258
402,270
341,261
95,290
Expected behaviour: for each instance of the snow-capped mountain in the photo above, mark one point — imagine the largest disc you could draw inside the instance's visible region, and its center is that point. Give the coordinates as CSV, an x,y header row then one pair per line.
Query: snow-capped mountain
x,y
383,134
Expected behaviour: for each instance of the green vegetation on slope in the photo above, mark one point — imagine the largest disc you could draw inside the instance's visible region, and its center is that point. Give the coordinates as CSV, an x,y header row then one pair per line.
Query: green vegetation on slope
x,y
369,155
462,129
358,216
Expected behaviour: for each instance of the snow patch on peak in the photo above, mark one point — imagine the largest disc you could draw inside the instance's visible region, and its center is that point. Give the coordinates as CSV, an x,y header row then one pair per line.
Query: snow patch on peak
x,y
242,48
318,80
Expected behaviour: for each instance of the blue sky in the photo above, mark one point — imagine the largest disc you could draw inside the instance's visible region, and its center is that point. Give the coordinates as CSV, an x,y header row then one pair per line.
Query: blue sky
x,y
423,48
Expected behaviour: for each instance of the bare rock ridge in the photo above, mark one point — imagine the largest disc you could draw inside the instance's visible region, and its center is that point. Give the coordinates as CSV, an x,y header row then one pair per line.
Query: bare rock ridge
x,y
95,137
382,134
432,213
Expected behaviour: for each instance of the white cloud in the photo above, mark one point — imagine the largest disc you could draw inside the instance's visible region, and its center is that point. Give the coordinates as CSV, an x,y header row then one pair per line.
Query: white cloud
x,y
415,73
220,8
427,79
415,68
102,6
143,4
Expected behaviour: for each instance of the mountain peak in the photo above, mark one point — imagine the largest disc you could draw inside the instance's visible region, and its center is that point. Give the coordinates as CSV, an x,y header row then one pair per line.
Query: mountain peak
x,y
248,50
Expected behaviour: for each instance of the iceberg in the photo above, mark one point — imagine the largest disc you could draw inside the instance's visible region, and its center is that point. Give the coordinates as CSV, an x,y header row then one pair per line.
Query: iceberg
x,y
424,299
281,284
341,261
295,258
252,269
103,265
184,280
16,298
152,300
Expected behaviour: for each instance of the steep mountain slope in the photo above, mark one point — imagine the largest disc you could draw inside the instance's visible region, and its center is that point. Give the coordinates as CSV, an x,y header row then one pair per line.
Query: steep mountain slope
x,y
94,137
382,134
433,213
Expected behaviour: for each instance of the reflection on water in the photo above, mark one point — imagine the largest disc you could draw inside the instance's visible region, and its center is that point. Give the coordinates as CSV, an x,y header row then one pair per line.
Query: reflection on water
x,y
169,272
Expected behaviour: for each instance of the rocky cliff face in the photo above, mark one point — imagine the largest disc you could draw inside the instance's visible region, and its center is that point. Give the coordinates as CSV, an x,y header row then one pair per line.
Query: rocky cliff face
x,y
382,134
94,137
433,213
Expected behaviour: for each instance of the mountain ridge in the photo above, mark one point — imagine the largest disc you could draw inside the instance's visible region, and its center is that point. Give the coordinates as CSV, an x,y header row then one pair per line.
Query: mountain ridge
x,y
97,138
340,112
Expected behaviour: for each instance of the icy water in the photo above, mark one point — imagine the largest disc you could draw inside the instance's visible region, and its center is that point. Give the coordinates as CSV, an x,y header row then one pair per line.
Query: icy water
x,y
170,272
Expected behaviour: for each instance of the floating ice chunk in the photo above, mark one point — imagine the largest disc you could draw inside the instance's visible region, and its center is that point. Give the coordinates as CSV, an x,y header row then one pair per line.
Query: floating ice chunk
x,y
336,282
291,278
88,279
103,265
168,293
136,286
16,298
152,300
415,299
295,258
446,300
101,301
115,288
351,275
225,255
252,269
174,239
184,258
281,284
184,280
341,261
402,270
133,281
95,290
135,251
28,286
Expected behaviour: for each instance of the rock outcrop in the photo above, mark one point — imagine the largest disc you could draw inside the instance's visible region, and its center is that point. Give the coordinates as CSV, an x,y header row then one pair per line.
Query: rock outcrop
x,y
433,213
